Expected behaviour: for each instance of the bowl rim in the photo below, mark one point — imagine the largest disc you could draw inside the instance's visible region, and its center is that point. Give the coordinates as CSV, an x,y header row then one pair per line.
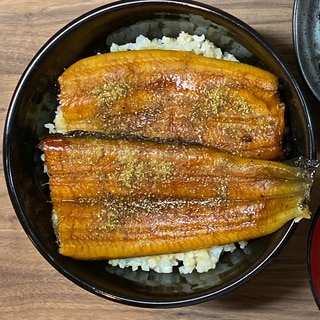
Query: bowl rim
x,y
118,5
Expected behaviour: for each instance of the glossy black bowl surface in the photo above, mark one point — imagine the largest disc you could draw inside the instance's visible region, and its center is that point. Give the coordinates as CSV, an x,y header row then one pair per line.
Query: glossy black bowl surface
x,y
34,103
306,40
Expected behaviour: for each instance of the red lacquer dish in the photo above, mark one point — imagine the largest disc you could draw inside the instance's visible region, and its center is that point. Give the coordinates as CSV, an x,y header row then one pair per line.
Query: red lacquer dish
x,y
314,258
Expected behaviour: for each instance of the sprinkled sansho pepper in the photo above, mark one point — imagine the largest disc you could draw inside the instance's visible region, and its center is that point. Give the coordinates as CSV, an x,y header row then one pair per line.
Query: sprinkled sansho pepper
x,y
175,95
117,197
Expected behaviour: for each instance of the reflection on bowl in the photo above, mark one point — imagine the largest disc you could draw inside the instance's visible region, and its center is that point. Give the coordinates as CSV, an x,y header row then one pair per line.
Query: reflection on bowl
x,y
34,103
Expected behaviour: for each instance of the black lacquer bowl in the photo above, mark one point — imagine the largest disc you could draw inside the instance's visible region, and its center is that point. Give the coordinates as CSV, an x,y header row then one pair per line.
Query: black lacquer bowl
x,y
34,102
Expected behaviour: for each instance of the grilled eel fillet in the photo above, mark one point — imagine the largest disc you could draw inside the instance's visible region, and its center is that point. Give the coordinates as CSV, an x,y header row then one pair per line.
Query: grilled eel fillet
x,y
116,198
175,95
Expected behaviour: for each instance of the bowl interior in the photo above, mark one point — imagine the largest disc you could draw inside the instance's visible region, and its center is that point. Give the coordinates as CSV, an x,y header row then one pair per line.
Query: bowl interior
x,y
34,104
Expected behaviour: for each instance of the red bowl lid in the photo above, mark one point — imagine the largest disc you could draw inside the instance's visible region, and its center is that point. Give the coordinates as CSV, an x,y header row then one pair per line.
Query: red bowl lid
x,y
313,258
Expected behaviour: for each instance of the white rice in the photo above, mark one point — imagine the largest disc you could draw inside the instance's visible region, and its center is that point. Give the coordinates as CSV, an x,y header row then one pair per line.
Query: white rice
x,y
184,42
201,260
